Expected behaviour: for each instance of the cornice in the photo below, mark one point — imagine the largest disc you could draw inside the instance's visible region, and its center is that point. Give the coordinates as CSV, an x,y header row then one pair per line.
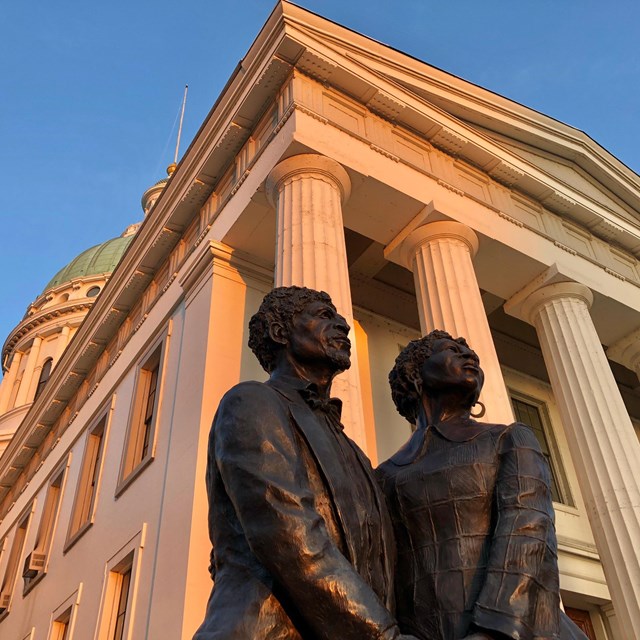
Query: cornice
x,y
28,325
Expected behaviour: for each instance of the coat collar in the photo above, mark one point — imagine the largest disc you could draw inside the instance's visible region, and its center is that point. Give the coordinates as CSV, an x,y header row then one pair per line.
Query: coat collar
x,y
288,386
294,388
461,430
458,431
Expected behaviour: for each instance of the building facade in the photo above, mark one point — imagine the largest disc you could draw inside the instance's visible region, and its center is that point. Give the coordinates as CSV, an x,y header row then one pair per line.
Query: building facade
x,y
418,201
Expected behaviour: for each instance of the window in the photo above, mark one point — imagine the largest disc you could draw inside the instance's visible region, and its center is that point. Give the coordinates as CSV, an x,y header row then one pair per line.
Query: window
x,y
45,374
93,292
88,482
35,564
123,597
60,626
582,620
140,439
534,414
10,574
116,616
63,618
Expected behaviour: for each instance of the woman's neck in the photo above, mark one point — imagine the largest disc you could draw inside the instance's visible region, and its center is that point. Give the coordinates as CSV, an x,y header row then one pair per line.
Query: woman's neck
x,y
442,408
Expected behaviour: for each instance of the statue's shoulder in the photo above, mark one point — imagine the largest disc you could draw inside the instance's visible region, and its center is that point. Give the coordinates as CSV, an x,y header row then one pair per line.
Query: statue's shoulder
x,y
248,387
249,393
519,435
249,408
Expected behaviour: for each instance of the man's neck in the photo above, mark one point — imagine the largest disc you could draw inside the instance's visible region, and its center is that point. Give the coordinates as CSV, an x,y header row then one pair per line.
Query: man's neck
x,y
321,377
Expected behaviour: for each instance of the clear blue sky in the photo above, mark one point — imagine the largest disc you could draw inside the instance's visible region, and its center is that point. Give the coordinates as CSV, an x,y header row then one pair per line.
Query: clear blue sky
x,y
89,92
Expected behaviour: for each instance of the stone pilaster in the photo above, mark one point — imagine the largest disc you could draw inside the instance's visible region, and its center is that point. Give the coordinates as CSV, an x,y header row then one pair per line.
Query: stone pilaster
x,y
599,430
440,255
308,191
610,621
62,342
9,381
25,395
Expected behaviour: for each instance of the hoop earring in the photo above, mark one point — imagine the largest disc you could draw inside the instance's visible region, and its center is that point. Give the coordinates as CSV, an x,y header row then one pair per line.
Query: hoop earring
x,y
480,413
417,383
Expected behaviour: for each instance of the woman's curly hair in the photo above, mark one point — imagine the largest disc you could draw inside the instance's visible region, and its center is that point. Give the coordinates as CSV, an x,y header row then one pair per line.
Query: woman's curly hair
x,y
401,378
280,305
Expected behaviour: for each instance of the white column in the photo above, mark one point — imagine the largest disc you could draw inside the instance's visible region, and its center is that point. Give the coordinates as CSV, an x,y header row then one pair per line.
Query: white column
x,y
24,395
308,191
440,255
8,382
601,437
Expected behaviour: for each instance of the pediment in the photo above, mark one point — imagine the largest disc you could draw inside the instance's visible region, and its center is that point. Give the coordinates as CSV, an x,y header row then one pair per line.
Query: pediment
x,y
556,164
568,173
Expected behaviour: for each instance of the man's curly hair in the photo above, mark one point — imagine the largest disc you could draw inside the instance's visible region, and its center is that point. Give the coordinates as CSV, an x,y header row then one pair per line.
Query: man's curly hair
x,y
279,305
408,363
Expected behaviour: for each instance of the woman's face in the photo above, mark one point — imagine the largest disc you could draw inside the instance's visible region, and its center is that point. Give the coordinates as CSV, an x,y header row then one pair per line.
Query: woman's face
x,y
452,365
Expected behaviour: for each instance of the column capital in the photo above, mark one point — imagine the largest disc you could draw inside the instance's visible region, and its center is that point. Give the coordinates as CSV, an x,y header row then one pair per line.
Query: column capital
x,y
403,248
526,303
312,164
626,351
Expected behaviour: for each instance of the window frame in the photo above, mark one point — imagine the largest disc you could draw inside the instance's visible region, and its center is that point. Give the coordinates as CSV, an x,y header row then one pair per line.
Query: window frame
x,y
94,451
557,467
68,606
63,620
8,583
51,513
127,559
140,441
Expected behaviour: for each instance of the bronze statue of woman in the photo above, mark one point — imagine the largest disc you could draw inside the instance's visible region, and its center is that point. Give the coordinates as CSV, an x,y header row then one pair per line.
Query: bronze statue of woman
x,y
471,508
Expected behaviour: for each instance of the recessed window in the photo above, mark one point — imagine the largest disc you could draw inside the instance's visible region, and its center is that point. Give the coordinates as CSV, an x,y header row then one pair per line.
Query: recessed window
x,y
93,292
89,480
60,626
35,564
123,600
141,435
582,619
534,414
63,618
11,572
116,615
45,374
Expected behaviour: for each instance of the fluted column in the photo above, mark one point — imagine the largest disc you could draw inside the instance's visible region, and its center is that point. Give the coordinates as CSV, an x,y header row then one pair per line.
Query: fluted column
x,y
308,191
600,434
440,256
9,381
24,395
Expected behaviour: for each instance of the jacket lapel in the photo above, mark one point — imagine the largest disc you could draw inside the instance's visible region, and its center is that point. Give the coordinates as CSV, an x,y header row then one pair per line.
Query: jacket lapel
x,y
311,431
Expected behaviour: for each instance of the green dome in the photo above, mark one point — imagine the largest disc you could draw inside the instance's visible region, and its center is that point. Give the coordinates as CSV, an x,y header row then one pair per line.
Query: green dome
x,y
100,259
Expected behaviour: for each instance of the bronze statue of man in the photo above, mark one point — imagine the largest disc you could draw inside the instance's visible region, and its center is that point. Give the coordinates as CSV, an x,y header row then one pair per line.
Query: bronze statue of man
x,y
302,541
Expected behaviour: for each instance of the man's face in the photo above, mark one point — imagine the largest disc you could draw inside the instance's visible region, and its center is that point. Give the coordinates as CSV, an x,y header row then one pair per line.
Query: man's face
x,y
319,335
